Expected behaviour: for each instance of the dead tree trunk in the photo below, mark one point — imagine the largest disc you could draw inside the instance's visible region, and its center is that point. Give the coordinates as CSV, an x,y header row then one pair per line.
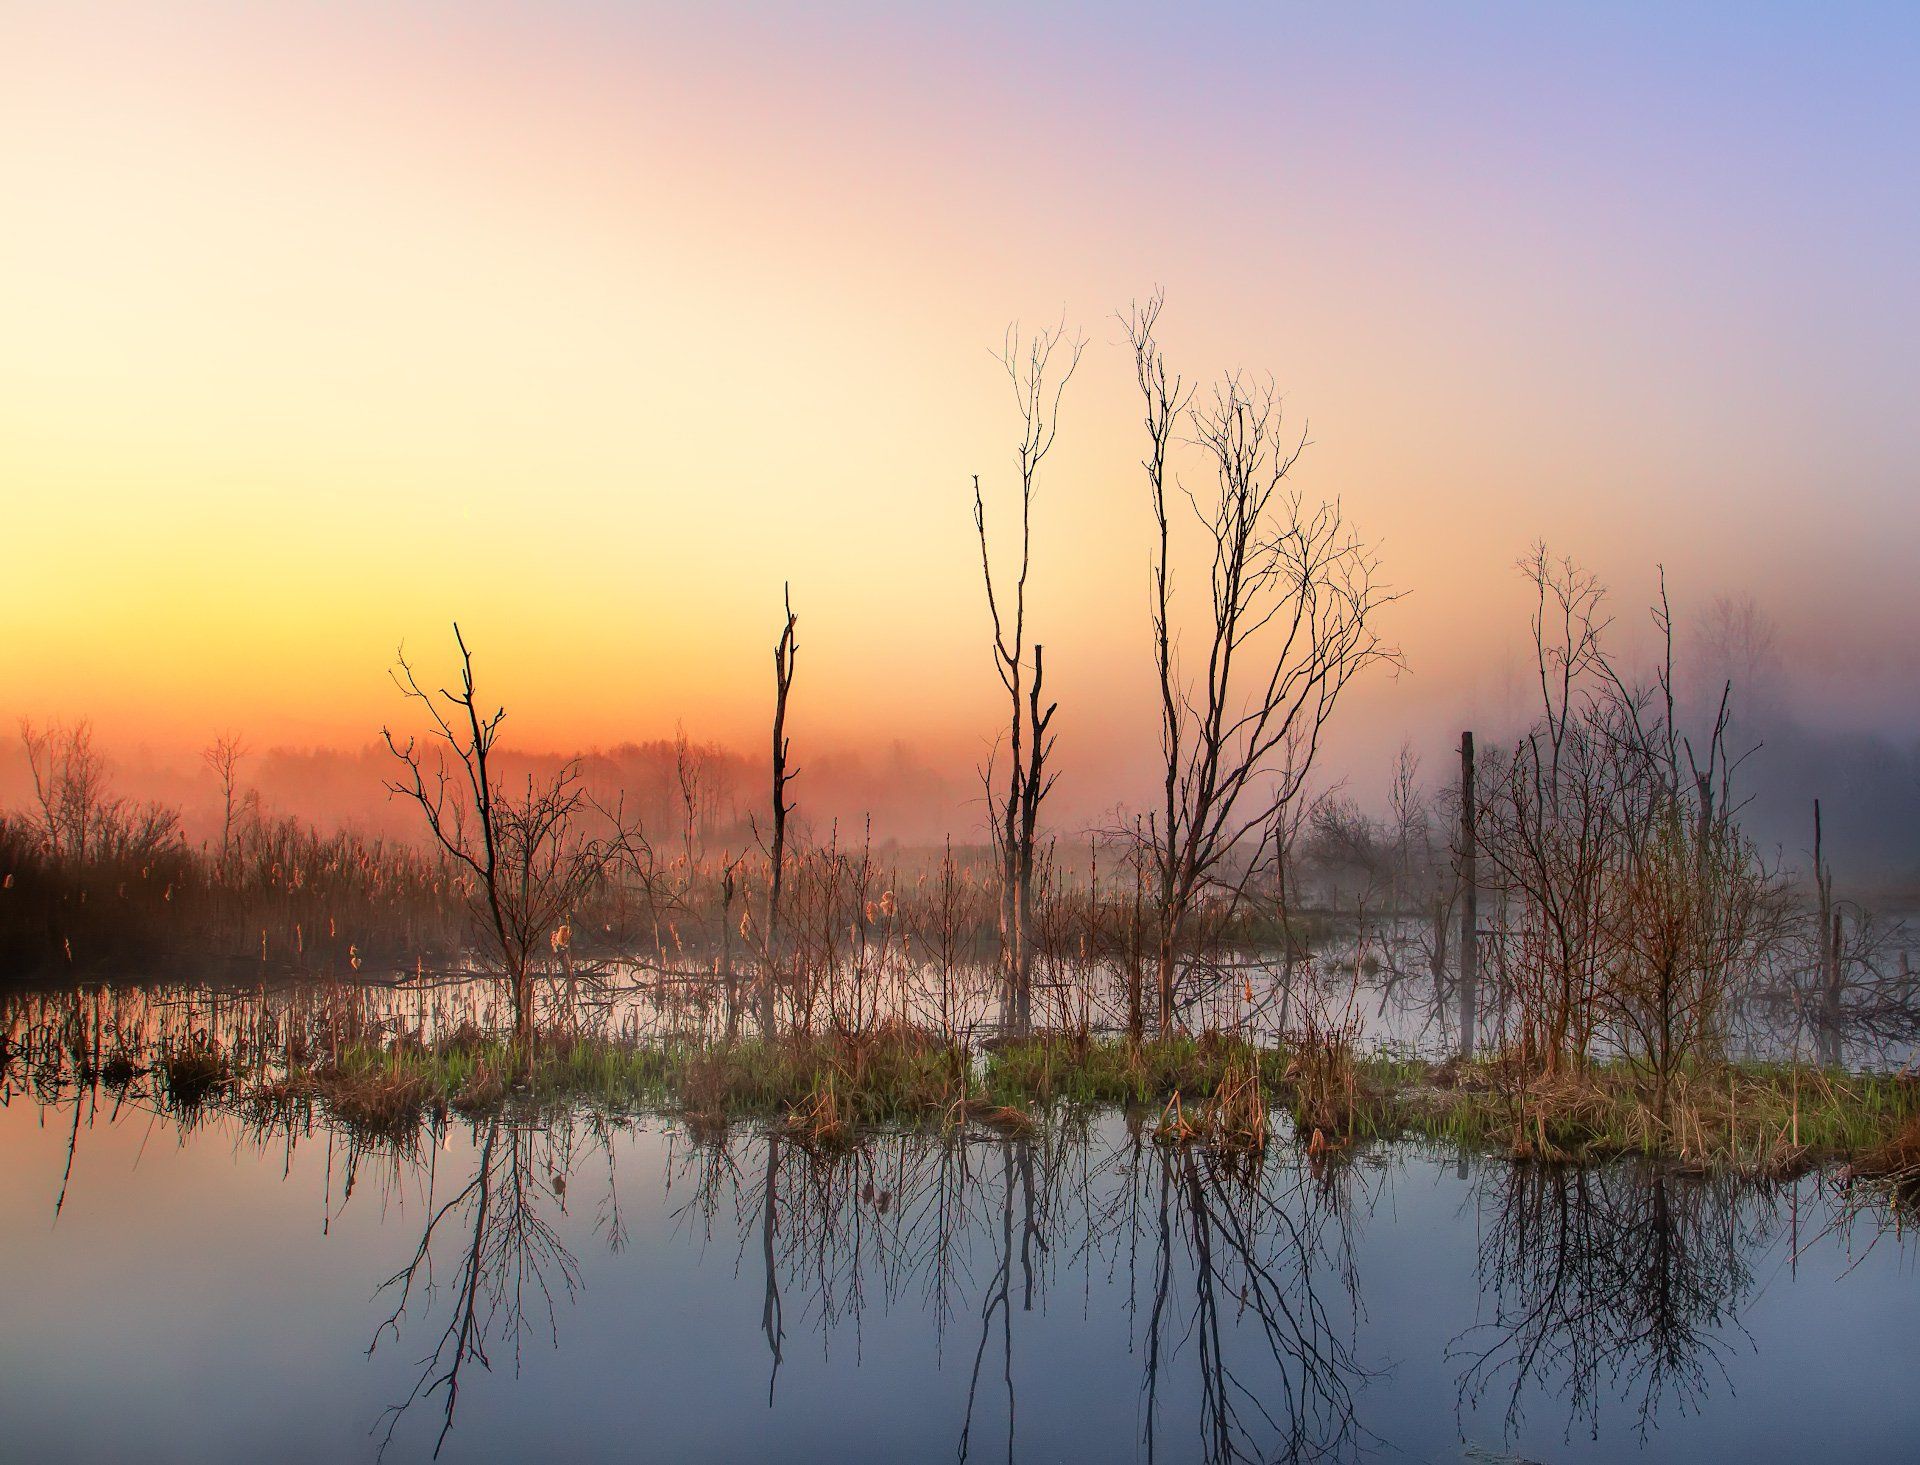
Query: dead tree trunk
x,y
785,652
728,986
526,861
1469,993
1016,808
1136,944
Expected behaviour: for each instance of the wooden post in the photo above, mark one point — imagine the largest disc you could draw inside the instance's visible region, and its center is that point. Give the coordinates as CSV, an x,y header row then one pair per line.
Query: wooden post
x,y
1829,950
1470,901
727,984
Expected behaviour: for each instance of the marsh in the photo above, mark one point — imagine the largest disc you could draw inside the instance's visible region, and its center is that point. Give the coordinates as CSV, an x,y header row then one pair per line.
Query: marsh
x,y
551,1276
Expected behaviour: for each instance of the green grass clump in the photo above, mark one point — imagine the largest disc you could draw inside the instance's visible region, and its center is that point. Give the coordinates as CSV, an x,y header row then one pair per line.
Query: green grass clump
x,y
1754,1118
1086,1071
826,1087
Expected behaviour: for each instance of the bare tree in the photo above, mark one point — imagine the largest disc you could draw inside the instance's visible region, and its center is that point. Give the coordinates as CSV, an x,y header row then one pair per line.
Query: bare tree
x,y
1736,641
222,756
1424,884
786,651
69,785
77,818
1038,386
1700,910
689,772
1294,596
528,860
1845,971
1549,819
1636,900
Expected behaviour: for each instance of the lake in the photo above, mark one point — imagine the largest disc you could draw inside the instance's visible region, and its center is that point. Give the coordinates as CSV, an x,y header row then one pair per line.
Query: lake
x,y
193,1283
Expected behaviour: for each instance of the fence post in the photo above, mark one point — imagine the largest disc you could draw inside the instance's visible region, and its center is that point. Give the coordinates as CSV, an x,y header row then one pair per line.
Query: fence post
x,y
1470,901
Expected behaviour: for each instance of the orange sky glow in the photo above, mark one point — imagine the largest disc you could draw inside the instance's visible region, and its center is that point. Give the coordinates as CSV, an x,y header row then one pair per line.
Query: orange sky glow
x,y
591,325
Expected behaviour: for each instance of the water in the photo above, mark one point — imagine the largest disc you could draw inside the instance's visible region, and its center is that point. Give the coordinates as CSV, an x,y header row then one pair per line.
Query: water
x,y
209,1289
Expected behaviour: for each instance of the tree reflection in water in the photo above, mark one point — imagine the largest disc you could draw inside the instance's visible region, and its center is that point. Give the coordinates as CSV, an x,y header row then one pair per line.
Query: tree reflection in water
x,y
1624,1279
1237,1256
510,1265
1249,1244
1231,1277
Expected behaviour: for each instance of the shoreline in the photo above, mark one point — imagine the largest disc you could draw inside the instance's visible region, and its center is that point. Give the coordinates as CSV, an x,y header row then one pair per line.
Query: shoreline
x,y
1215,1090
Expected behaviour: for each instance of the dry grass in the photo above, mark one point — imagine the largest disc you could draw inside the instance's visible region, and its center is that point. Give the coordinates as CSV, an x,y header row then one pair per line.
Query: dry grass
x,y
388,1105
1774,1121
1322,1084
1000,1118
828,1086
193,1072
1898,1160
821,1119
1238,1113
1232,1118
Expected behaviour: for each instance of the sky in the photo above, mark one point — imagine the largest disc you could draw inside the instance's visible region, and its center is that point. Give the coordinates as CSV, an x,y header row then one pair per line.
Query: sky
x,y
592,325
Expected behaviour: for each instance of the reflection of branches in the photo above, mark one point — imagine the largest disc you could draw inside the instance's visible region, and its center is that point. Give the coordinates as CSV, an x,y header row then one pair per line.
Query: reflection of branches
x,y
1246,1248
997,1298
832,1226
893,1220
1236,1274
1623,1275
771,1322
511,1259
611,1220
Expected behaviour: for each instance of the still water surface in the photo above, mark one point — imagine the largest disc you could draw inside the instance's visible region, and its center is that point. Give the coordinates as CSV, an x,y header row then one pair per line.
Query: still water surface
x,y
209,1290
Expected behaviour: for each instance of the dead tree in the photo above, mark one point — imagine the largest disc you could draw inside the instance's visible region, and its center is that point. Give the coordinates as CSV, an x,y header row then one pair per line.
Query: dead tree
x,y
528,862
1015,806
1294,596
70,786
786,651
222,756
689,773
1828,944
1469,994
1635,899
729,887
1549,818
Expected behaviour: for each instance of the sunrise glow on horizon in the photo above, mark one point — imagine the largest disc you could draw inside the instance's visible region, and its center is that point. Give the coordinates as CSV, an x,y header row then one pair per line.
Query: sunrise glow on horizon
x,y
1035,729
592,325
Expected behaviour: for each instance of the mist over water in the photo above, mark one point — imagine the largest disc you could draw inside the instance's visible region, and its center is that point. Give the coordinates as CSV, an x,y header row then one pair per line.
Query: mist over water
x,y
886,733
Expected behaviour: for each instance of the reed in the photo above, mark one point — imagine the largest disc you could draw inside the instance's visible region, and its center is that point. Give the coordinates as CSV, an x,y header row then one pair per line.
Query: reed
x,y
379,1063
